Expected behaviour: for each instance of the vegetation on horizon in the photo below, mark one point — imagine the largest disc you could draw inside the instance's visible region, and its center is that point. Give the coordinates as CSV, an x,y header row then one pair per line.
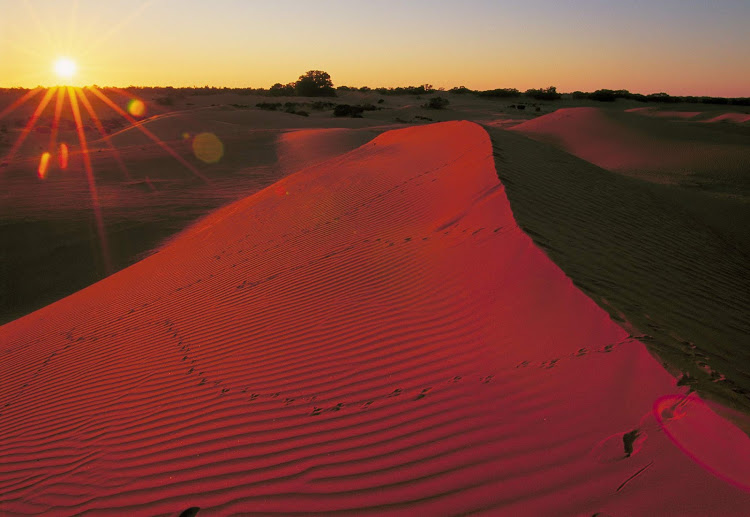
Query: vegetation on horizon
x,y
317,83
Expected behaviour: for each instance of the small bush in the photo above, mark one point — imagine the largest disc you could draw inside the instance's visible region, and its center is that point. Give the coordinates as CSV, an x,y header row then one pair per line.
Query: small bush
x,y
165,101
268,106
437,103
322,105
346,110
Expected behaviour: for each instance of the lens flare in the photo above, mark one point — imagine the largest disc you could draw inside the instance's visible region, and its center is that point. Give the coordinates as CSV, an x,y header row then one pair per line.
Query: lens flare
x,y
706,438
62,156
208,148
136,108
43,165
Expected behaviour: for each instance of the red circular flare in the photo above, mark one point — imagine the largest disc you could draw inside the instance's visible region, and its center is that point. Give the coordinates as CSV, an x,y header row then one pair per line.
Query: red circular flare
x,y
705,437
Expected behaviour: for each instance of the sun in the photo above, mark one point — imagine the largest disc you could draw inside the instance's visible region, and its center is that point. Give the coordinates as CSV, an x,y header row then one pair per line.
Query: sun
x,y
65,68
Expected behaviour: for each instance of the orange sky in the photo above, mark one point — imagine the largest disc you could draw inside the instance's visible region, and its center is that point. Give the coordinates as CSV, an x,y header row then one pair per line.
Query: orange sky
x,y
684,47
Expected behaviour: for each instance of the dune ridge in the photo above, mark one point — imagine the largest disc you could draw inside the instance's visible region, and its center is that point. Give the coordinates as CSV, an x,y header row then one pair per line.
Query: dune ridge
x,y
370,335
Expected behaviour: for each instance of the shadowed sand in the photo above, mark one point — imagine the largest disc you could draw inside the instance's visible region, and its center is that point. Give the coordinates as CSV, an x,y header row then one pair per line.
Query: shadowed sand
x,y
669,260
370,335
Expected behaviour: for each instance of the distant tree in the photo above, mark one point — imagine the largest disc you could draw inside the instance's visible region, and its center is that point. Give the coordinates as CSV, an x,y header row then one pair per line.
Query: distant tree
x,y
459,89
603,96
662,97
315,83
543,94
499,93
281,90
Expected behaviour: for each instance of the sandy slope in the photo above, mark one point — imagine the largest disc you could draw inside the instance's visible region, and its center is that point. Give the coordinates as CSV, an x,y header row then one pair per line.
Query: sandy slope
x,y
48,226
665,147
371,335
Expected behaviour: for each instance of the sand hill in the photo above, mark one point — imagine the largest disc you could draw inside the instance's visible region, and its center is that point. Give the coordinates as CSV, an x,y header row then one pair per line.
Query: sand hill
x,y
373,334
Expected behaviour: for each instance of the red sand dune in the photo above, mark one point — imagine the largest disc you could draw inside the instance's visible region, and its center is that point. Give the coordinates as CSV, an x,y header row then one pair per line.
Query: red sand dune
x,y
371,335
627,142
710,116
653,112
739,118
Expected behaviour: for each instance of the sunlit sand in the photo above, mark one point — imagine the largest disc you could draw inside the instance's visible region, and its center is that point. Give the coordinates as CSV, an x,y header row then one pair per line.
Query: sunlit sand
x,y
237,290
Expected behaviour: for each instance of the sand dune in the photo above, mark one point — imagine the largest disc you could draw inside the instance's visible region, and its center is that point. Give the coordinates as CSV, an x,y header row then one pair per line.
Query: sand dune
x,y
371,335
656,148
47,226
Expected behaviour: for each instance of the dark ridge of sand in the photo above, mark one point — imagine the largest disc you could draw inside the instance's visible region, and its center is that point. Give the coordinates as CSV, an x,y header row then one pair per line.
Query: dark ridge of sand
x,y
370,336
668,261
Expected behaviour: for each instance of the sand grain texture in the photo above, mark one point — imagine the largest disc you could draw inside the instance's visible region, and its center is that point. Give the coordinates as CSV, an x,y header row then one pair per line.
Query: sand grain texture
x,y
371,335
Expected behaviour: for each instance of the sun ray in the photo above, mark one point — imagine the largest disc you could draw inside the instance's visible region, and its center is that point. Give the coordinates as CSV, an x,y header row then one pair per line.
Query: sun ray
x,y
134,14
95,119
30,124
90,177
30,52
59,102
146,132
18,102
39,27
72,24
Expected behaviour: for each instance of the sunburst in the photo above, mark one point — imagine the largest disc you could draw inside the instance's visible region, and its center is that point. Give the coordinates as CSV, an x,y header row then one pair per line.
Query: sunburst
x,y
76,100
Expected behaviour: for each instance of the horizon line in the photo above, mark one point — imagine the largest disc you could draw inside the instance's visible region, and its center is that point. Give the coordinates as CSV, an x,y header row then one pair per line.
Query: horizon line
x,y
373,89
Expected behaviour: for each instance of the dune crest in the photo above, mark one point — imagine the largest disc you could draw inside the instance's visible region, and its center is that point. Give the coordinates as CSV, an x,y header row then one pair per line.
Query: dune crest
x,y
371,335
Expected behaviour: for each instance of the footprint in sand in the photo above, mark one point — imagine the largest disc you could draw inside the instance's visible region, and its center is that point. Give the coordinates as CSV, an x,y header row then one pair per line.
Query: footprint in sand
x,y
619,446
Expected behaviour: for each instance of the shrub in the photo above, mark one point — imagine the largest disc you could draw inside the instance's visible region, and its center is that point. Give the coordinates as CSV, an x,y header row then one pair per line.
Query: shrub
x,y
322,105
345,110
543,94
165,101
269,106
459,90
437,103
603,96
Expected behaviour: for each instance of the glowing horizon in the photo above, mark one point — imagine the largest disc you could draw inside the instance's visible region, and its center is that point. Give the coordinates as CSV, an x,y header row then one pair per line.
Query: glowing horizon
x,y
678,48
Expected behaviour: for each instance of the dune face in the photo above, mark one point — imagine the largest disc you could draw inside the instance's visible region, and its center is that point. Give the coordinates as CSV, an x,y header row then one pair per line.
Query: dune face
x,y
371,335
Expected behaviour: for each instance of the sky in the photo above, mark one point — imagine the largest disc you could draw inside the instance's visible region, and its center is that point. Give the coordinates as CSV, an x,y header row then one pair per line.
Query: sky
x,y
682,47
